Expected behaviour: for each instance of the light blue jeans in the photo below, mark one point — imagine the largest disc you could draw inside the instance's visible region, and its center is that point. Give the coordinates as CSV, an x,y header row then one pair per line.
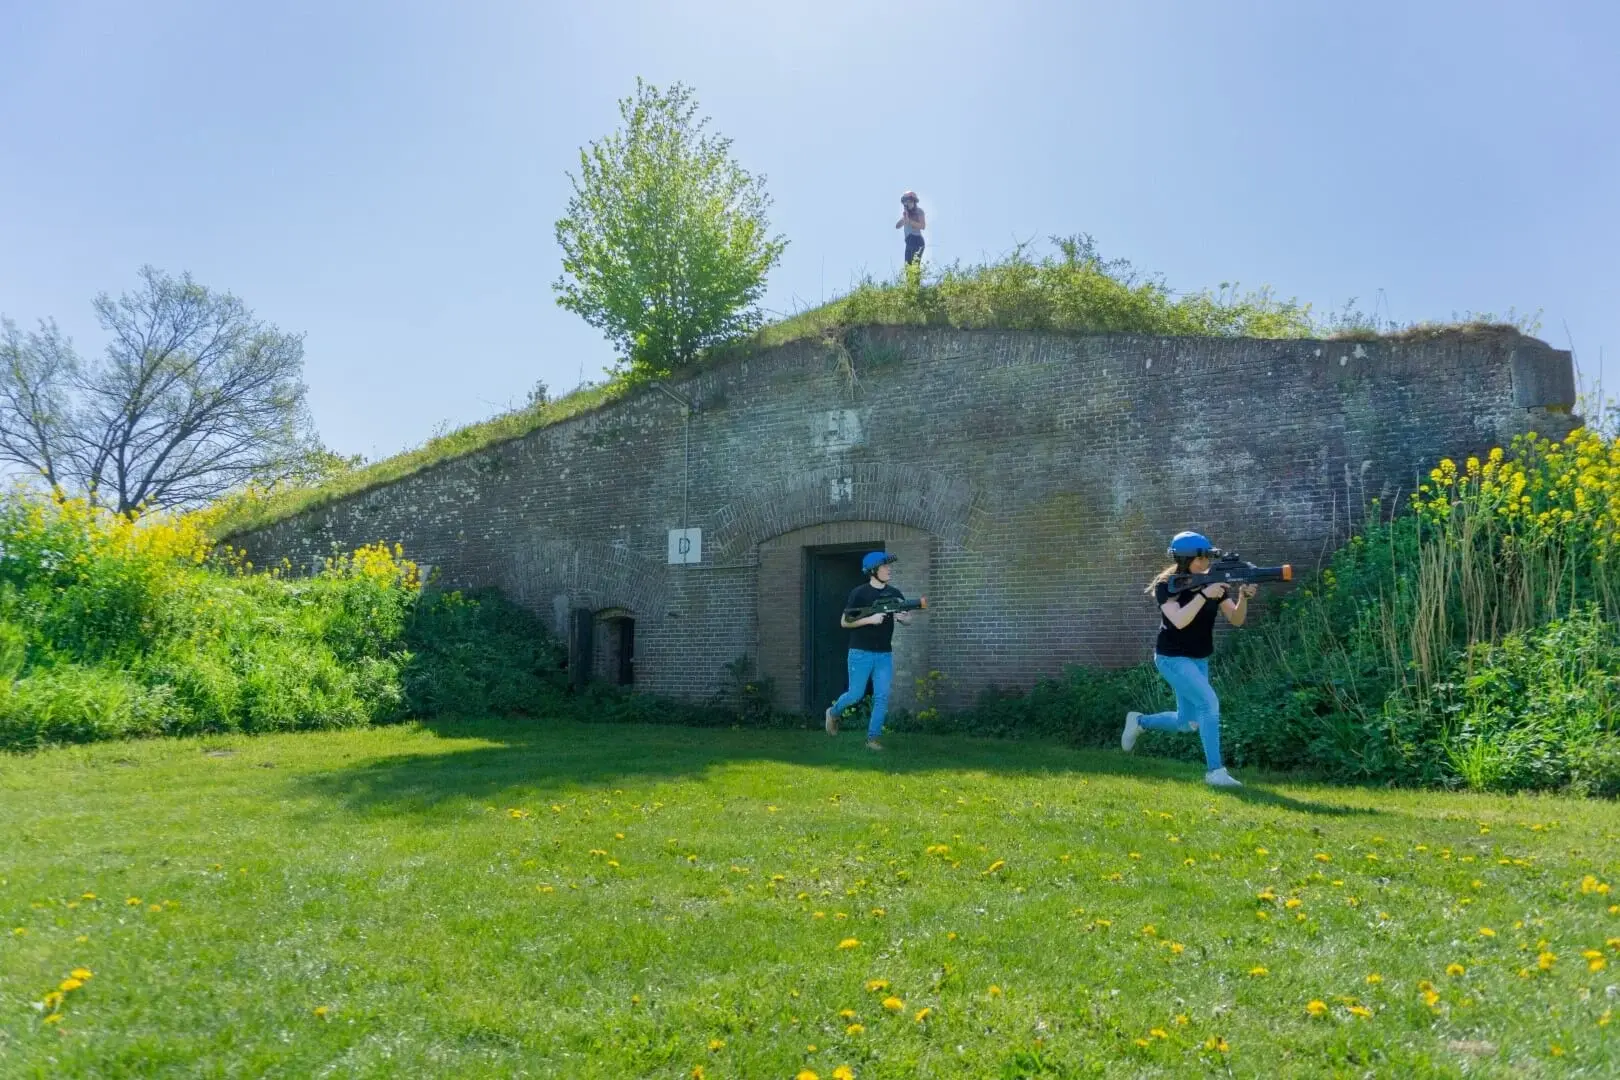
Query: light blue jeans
x,y
863,665
1197,708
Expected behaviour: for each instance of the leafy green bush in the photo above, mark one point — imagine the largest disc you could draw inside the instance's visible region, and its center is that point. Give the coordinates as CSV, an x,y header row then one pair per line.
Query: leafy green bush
x,y
112,628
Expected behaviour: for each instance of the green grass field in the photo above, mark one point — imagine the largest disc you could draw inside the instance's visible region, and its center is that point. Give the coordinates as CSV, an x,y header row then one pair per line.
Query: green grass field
x,y
522,900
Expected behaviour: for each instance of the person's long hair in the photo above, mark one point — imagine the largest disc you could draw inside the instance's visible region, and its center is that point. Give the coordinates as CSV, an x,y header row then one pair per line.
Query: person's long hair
x,y
1180,566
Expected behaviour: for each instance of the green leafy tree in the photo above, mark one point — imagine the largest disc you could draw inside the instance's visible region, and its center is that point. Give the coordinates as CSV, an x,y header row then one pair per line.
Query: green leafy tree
x,y
665,243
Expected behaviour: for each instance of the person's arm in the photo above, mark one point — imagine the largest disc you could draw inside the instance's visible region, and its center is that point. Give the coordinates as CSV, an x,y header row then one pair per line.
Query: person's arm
x,y
1181,614
1238,610
901,222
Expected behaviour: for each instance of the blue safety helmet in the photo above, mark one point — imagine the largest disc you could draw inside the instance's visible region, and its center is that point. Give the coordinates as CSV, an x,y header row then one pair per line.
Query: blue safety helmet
x,y
875,559
1190,545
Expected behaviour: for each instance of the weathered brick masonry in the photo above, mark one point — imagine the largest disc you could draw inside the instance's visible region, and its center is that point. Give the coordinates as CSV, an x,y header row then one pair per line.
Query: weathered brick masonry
x,y
1028,481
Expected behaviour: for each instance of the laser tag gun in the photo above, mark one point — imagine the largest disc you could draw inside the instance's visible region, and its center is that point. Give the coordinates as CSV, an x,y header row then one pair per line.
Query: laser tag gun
x,y
1230,569
886,605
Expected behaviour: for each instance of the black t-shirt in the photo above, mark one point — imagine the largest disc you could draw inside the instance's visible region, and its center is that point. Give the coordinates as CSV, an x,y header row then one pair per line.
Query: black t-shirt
x,y
1196,640
871,638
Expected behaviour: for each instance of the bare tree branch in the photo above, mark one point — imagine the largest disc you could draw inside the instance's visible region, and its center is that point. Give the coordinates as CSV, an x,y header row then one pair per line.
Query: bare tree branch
x,y
192,398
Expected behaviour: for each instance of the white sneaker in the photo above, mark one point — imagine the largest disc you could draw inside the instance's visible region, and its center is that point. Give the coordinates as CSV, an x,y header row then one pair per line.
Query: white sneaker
x,y
1220,778
832,721
1133,728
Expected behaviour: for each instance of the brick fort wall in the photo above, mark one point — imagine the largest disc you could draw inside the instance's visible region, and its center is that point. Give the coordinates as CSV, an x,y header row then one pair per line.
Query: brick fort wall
x,y
1028,481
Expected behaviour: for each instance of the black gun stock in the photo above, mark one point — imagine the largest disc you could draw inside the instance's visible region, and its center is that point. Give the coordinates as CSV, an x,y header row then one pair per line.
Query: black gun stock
x,y
1230,569
886,605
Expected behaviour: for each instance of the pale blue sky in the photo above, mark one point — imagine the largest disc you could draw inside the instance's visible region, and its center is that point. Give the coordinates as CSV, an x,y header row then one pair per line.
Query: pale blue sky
x,y
384,176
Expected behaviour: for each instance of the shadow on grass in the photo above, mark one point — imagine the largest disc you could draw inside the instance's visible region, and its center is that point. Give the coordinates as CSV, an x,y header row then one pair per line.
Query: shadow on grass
x,y
534,757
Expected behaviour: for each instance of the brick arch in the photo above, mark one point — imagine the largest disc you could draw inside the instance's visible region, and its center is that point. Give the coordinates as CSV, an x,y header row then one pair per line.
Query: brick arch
x,y
913,495
596,576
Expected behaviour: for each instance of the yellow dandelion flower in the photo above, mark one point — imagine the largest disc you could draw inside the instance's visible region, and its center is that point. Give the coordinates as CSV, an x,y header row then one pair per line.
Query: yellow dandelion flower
x,y
1261,851
1316,1008
1374,979
1182,1020
997,865
697,1072
1544,960
849,943
1177,948
1292,902
1361,1011
1430,998
1258,972
843,1072
54,1018
1596,965
717,1044
1322,856
806,1074
1265,894
994,991
1159,1033
1486,931
1143,1042
875,985
320,1010
133,901
923,1014
854,1029
68,985
88,896
1555,1050
1456,969
893,1004
53,1001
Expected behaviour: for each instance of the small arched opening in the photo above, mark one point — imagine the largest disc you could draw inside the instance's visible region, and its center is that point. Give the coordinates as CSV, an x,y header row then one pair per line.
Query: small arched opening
x,y
614,647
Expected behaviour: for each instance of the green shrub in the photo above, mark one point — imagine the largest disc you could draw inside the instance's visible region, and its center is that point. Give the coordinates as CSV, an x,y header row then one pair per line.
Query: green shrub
x,y
112,628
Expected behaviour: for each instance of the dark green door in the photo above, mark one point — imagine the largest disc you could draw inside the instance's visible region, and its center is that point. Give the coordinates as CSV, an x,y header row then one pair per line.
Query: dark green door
x,y
830,573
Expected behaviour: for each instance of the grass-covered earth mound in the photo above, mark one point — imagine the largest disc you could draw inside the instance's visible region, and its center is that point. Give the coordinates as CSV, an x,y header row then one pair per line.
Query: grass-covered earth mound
x,y
1073,290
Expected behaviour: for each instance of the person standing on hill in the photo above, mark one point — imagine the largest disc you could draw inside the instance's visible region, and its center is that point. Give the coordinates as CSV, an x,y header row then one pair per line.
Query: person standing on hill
x,y
913,221
1186,640
871,651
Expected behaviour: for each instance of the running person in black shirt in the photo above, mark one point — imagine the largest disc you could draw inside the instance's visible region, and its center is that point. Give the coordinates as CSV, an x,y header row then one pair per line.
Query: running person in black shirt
x,y
871,653
1186,640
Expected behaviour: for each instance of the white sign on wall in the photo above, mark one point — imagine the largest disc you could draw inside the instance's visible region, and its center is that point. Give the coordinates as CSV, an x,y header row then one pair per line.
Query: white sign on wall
x,y
685,547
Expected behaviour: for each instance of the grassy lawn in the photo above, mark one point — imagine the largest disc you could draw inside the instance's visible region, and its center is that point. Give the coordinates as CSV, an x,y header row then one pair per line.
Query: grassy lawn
x,y
514,900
